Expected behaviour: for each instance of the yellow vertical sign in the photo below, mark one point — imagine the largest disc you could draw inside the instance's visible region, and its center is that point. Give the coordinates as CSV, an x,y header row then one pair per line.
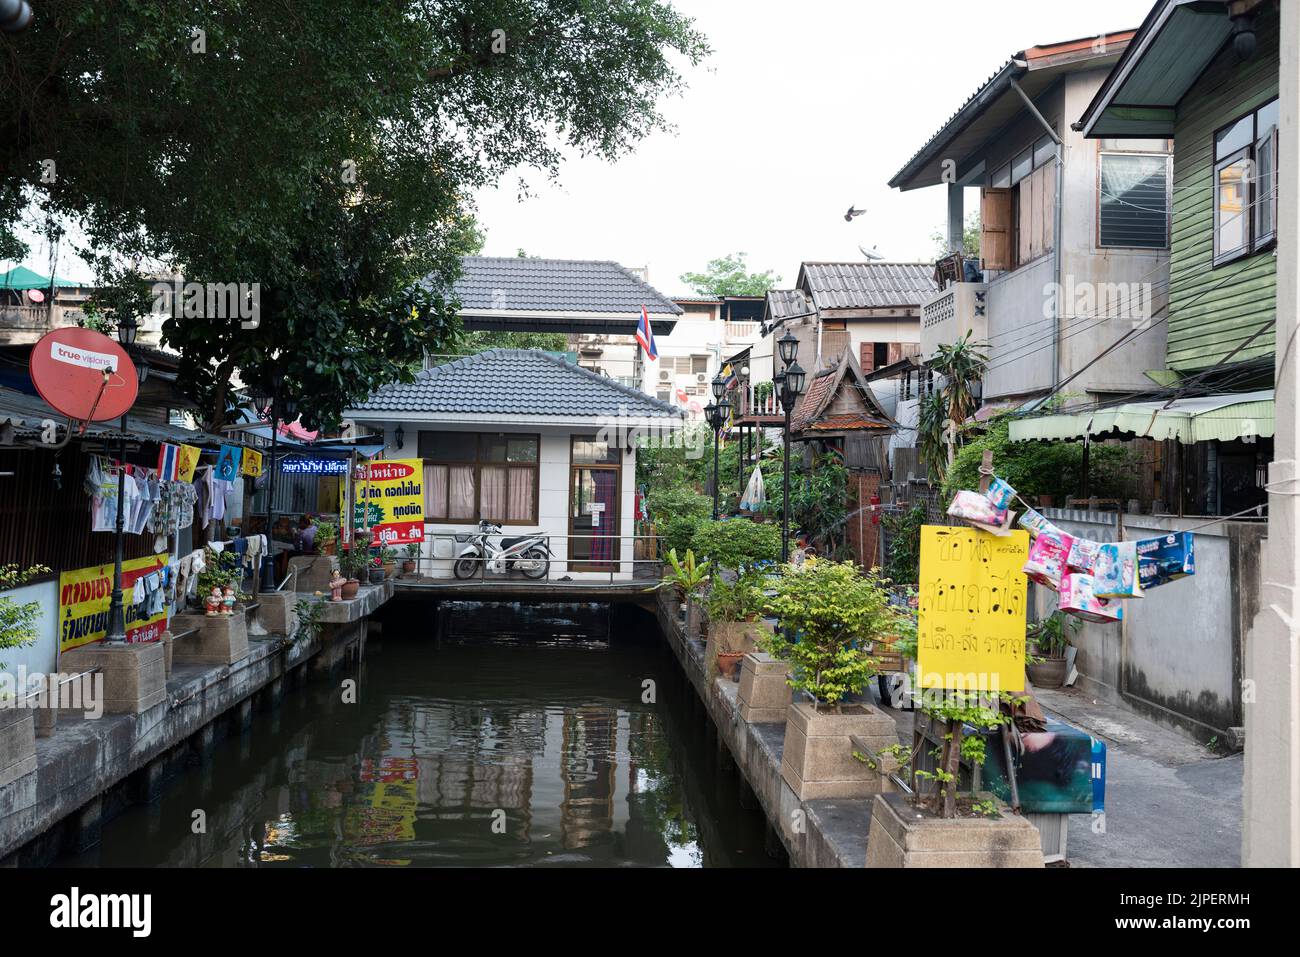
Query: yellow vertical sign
x,y
971,612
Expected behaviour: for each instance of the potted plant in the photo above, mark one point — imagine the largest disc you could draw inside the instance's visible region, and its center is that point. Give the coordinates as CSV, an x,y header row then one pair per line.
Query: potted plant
x,y
377,570
352,565
412,558
388,558
688,577
221,571
1048,640
735,605
327,535
829,613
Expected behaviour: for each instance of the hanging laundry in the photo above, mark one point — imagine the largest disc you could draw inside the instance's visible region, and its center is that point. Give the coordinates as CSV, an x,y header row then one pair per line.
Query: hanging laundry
x,y
227,468
1161,560
1079,598
101,484
1115,572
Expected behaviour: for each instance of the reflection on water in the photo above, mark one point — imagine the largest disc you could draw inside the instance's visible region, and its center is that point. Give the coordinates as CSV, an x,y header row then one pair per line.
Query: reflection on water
x,y
516,739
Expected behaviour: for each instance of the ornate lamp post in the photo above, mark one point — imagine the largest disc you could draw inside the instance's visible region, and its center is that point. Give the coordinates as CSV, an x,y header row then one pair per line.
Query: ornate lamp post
x,y
115,633
717,412
789,386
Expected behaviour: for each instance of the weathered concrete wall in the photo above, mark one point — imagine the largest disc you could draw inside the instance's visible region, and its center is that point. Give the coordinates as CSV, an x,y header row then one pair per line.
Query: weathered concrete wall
x,y
1177,656
85,759
820,833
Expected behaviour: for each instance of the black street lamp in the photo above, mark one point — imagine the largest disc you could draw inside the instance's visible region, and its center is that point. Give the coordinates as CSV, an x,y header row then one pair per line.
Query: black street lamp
x,y
789,384
115,633
716,415
275,407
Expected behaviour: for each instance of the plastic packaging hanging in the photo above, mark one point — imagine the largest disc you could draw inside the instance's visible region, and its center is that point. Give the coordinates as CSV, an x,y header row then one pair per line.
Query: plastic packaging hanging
x,y
1079,598
1115,572
1161,560
1047,558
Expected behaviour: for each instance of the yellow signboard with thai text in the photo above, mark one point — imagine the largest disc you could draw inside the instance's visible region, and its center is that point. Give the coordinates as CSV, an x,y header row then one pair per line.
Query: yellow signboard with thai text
x,y
84,596
971,611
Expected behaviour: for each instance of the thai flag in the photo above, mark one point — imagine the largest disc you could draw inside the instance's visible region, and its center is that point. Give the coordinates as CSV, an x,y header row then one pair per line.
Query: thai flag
x,y
645,335
169,459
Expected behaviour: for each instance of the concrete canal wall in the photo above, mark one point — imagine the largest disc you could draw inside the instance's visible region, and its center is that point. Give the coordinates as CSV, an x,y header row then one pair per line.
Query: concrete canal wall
x,y
814,833
86,769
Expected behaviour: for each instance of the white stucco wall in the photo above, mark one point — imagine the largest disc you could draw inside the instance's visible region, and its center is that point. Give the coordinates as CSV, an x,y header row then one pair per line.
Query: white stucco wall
x,y
553,479
38,657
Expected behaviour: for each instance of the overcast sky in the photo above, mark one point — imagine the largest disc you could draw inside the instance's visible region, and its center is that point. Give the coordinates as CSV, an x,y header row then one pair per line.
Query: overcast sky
x,y
803,109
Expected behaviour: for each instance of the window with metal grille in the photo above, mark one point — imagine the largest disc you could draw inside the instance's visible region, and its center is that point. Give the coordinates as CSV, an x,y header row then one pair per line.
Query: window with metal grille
x,y
1134,201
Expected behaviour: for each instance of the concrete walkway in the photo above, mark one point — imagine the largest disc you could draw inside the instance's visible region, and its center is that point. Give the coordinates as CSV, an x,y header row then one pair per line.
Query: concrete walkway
x,y
1170,802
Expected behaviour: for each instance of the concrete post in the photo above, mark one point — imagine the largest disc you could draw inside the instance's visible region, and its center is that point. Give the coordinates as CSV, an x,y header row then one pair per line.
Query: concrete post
x,y
956,217
1270,834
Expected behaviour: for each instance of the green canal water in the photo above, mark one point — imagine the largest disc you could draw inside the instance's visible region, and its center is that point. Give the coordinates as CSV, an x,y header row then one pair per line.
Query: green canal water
x,y
550,737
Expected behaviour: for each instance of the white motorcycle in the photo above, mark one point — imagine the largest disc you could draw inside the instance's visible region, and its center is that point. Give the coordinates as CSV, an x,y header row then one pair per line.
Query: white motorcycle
x,y
528,553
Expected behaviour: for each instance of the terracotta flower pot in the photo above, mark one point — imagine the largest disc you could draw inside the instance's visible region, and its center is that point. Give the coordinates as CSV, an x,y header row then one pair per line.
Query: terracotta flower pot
x,y
408,566
1048,673
728,662
350,589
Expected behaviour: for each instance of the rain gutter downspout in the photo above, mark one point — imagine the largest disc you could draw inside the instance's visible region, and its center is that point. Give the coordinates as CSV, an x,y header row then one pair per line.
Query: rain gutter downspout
x,y
1056,228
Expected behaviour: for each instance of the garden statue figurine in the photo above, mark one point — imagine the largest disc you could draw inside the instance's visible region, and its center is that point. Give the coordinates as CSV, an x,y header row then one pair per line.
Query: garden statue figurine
x,y
213,602
336,586
229,601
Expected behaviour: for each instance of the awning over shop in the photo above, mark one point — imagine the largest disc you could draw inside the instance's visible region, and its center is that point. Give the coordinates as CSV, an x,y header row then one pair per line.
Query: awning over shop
x,y
1203,419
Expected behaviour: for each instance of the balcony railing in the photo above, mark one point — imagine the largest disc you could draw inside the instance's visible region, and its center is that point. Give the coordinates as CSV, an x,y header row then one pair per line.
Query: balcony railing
x,y
740,331
949,315
25,317
757,399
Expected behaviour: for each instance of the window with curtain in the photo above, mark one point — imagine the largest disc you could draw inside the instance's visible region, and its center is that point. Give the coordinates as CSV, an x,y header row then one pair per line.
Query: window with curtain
x,y
471,477
1134,201
1245,184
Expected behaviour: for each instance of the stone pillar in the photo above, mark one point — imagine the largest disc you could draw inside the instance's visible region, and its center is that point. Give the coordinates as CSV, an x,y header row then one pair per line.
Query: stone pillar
x,y
17,744
1270,834
275,614
763,695
219,639
131,678
956,217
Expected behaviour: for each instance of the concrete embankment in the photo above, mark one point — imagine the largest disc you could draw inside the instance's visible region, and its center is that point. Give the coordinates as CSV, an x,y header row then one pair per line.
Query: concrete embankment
x,y
815,833
87,769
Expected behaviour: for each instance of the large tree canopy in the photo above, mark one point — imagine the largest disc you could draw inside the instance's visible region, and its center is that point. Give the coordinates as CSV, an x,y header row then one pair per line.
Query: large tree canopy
x,y
324,149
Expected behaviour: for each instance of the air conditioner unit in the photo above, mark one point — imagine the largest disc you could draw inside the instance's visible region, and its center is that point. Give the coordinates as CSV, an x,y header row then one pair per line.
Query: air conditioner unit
x,y
665,375
702,378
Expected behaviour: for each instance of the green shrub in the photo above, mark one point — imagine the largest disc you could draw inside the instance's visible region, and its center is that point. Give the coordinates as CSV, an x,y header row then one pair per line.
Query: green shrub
x,y
677,512
833,611
737,543
18,621
903,563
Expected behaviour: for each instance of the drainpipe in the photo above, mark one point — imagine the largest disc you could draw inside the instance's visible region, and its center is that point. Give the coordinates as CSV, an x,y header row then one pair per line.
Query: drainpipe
x,y
1056,232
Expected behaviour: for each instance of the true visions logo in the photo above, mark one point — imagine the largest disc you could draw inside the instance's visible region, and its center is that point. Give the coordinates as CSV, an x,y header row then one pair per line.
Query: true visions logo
x,y
77,910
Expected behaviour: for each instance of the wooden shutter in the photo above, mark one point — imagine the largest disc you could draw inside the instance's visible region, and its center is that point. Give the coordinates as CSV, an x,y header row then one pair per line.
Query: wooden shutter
x,y
867,356
995,227
895,352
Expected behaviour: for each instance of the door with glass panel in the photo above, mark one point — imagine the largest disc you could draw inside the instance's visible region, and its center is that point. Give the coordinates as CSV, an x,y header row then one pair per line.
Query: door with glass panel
x,y
595,480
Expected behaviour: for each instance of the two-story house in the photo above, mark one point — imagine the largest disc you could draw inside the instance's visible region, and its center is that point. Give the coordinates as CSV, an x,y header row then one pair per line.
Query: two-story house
x,y
1074,232
708,331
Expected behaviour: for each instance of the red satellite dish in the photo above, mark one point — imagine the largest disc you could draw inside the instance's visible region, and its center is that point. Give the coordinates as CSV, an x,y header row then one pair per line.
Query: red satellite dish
x,y
68,369
35,295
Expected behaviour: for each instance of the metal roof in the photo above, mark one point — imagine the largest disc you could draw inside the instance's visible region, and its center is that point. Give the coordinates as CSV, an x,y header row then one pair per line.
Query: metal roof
x,y
524,382
1201,419
867,285
1171,49
515,293
25,413
995,104
781,304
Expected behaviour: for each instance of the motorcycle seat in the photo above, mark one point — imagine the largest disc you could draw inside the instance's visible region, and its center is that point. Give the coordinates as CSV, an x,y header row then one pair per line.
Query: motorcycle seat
x,y
508,543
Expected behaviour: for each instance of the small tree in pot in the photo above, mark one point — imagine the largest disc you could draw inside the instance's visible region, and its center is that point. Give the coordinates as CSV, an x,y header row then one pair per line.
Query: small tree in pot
x,y
688,577
829,613
735,605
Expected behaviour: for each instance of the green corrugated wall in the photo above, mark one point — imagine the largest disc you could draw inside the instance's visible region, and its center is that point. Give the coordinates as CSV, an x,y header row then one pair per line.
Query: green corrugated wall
x,y
1211,311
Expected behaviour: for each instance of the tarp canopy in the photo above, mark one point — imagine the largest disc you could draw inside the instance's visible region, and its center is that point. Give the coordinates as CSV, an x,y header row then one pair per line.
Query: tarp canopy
x,y
1203,419
20,277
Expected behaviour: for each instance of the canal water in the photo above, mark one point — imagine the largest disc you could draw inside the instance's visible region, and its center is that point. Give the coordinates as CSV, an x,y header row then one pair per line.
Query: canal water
x,y
480,736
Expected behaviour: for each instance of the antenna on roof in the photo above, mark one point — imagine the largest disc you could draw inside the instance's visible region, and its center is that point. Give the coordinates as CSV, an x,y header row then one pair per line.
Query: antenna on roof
x,y
871,253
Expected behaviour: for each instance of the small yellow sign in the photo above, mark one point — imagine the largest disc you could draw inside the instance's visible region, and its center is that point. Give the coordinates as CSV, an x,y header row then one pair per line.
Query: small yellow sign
x,y
971,613
251,463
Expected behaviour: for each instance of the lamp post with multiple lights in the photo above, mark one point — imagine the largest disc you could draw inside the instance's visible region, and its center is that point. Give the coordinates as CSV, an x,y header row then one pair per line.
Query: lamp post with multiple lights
x,y
789,386
717,413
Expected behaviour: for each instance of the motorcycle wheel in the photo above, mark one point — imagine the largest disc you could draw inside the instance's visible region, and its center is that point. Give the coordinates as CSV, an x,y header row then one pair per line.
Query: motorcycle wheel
x,y
534,563
466,568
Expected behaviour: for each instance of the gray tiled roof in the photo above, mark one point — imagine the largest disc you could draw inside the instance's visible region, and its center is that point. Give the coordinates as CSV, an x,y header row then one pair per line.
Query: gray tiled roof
x,y
868,285
784,303
520,284
515,382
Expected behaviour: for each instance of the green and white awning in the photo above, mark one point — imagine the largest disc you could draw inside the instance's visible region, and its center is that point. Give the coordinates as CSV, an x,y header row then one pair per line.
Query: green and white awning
x,y
1222,417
